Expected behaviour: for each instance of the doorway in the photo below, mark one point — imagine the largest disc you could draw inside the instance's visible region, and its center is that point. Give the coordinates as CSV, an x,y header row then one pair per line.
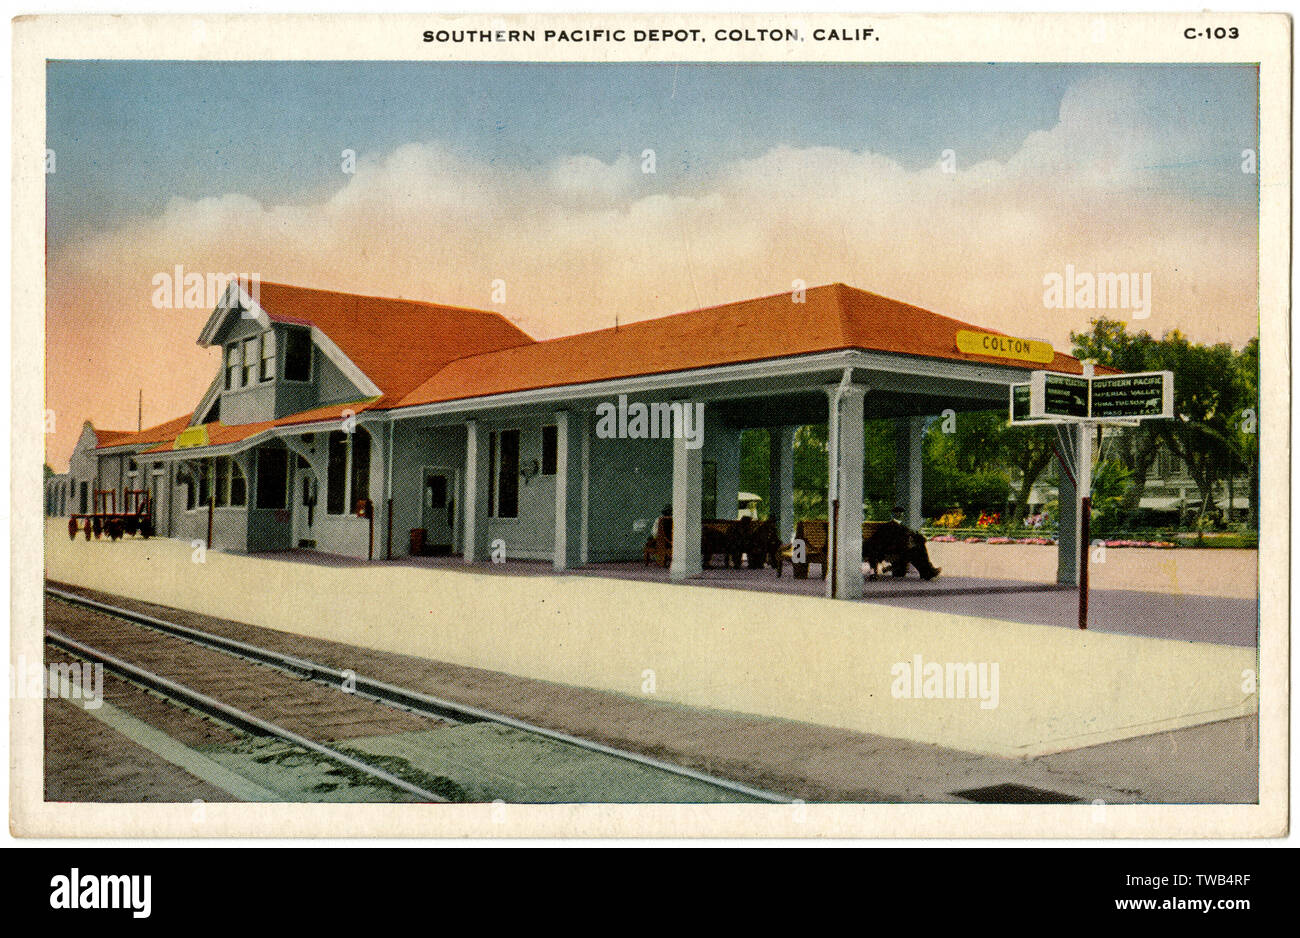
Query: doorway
x,y
438,509
304,504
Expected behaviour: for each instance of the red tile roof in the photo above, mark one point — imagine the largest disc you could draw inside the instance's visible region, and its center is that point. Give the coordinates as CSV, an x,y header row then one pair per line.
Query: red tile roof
x,y
221,434
105,438
397,343
419,353
154,434
833,317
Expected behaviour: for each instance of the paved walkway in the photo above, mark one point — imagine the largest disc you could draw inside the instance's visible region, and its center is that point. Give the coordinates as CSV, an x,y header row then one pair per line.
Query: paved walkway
x,y
1154,613
1216,619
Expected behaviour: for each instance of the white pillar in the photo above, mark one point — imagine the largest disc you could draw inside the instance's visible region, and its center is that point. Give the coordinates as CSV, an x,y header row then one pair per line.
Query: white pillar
x,y
476,491
846,457
1067,509
570,433
909,435
688,475
780,480
726,456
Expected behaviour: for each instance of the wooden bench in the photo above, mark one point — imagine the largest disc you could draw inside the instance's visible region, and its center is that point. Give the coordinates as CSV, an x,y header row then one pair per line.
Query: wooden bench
x,y
815,533
871,527
659,546
736,541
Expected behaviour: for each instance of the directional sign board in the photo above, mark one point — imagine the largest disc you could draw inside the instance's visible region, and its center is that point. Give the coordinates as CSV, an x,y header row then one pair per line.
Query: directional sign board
x,y
1050,397
1020,404
1057,395
1145,394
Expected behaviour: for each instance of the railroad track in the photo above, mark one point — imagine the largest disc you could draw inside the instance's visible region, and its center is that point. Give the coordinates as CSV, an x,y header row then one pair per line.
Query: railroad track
x,y
347,685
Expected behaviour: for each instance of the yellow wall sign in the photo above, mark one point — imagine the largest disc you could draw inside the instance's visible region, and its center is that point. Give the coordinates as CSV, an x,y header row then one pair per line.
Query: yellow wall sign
x,y
192,436
1003,346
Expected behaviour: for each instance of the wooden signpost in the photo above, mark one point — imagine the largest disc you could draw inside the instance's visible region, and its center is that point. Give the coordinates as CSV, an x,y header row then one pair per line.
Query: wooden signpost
x,y
1089,401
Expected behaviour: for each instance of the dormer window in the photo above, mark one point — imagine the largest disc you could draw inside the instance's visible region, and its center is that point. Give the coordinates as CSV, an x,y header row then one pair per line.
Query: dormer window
x,y
232,366
251,358
268,355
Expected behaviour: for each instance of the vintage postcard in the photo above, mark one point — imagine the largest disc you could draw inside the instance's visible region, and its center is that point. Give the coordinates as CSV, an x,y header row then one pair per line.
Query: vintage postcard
x,y
806,426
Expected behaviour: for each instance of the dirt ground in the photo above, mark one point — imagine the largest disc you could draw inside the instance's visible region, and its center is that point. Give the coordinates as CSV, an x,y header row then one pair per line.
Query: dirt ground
x,y
1225,572
86,760
805,761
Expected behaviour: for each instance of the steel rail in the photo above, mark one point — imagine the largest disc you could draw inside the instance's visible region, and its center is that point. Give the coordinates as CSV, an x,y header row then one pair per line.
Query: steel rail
x,y
233,715
402,697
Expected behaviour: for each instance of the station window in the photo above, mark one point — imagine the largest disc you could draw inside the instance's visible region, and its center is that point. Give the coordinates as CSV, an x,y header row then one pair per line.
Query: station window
x,y
185,478
230,488
232,366
205,482
268,355
221,497
503,488
349,462
272,478
360,466
337,473
238,486
251,357
550,450
297,355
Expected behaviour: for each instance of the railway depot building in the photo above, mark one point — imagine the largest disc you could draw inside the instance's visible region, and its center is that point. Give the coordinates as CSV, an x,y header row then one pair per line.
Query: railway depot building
x,y
371,427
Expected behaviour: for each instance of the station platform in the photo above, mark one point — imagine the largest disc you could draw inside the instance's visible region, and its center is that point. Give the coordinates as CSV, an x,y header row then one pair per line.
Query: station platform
x,y
775,648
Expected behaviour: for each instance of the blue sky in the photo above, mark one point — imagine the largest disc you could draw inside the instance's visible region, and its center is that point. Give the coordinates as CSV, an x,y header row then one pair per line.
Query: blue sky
x,y
767,175
130,136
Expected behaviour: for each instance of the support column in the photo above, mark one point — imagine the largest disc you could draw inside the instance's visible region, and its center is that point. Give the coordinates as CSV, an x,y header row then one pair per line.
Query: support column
x,y
780,480
476,491
1067,510
846,458
909,435
381,495
688,473
726,456
570,483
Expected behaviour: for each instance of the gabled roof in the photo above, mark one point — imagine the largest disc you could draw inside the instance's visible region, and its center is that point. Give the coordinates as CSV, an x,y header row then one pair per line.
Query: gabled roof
x,y
149,435
106,438
397,344
831,318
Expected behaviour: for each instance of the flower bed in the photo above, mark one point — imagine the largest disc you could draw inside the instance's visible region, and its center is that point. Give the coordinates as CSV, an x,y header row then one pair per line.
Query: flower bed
x,y
1043,541
1152,540
1131,543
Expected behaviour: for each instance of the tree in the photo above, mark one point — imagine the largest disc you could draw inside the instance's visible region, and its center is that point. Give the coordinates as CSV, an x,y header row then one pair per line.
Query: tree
x,y
1028,450
964,468
1245,422
1208,392
810,471
754,458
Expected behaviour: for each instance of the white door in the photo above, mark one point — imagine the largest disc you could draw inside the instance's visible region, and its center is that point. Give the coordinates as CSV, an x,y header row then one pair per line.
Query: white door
x,y
305,509
439,510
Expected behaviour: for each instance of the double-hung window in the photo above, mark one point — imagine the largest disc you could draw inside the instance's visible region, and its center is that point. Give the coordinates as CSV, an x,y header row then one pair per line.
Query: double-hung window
x,y
251,358
268,355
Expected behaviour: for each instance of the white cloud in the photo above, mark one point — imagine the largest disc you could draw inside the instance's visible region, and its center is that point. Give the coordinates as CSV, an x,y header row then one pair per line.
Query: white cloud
x,y
581,240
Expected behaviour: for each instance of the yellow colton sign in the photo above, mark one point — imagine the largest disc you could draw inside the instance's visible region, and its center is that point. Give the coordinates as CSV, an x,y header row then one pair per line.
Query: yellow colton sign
x,y
192,436
1004,346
